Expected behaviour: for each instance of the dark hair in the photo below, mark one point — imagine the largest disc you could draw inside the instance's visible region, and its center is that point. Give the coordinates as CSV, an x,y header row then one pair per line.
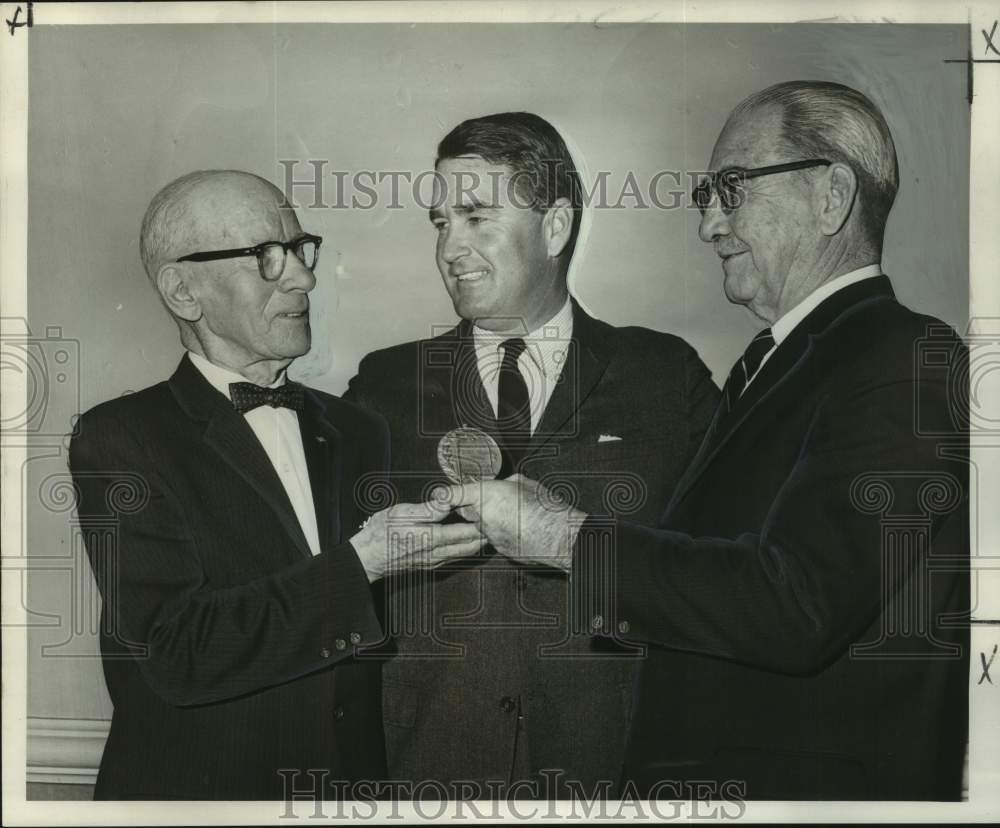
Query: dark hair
x,y
536,153
829,120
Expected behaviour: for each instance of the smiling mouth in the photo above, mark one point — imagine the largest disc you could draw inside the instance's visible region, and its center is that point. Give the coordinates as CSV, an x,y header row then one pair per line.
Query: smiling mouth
x,y
472,276
295,314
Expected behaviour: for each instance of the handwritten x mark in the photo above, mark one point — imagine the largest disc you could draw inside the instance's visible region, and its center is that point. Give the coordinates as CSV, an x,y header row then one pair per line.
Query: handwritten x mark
x,y
989,38
986,665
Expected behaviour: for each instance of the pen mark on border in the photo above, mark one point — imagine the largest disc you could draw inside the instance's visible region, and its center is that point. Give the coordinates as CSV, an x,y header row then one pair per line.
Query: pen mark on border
x,y
29,21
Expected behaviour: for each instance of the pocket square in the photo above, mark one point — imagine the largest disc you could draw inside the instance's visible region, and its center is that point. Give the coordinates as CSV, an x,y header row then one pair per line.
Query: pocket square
x,y
607,438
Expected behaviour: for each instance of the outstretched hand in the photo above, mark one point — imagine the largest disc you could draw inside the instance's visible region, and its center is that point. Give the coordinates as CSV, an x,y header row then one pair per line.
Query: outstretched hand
x,y
522,519
410,535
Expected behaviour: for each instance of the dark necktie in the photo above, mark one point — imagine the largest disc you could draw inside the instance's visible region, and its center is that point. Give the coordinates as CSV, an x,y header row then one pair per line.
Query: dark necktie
x,y
246,396
746,366
513,409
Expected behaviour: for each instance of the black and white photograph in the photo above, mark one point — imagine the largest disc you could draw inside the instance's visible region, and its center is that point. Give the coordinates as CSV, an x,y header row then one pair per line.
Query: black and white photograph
x,y
480,412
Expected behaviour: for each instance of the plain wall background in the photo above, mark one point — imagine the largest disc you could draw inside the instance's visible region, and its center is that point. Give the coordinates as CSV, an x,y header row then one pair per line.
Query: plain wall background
x,y
117,112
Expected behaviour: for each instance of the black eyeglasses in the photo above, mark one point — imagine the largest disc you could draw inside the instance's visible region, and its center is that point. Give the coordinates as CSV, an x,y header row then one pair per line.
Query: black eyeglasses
x,y
729,183
270,255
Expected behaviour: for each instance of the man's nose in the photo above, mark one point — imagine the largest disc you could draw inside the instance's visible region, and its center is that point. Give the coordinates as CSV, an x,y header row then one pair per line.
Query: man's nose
x,y
453,244
714,222
296,276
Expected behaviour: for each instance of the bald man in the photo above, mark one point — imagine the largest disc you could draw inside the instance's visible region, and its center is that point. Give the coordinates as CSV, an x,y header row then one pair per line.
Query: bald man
x,y
224,515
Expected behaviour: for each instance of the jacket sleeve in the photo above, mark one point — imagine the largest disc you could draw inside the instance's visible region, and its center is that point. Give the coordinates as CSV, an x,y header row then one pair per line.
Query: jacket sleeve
x,y
789,595
196,644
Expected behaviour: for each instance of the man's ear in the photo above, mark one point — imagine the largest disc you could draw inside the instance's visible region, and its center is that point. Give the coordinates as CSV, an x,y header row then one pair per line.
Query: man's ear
x,y
557,225
172,284
837,198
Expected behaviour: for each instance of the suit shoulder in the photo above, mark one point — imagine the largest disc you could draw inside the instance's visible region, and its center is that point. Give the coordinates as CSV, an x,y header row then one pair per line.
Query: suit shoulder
x,y
404,355
392,358
349,416
388,372
121,425
890,325
133,408
647,346
881,341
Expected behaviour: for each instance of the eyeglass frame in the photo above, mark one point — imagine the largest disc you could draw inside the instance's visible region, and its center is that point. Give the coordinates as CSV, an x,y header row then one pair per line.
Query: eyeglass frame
x,y
743,175
257,251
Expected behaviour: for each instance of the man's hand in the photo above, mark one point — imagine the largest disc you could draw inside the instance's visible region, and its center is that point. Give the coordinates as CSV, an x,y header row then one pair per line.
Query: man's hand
x,y
522,519
409,535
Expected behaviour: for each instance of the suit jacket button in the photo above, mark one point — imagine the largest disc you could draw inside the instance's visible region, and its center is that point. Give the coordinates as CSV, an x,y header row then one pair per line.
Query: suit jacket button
x,y
338,712
507,704
355,638
340,644
324,653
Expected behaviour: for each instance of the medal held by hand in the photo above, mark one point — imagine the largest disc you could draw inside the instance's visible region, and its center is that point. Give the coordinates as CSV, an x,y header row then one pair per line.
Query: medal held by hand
x,y
468,454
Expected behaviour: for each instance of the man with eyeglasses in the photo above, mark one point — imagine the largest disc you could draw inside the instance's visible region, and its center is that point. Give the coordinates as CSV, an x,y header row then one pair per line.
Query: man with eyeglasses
x,y
805,595
222,512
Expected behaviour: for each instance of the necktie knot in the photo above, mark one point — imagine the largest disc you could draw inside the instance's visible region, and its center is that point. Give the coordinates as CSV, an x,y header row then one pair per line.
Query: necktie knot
x,y
246,396
756,351
512,350
747,366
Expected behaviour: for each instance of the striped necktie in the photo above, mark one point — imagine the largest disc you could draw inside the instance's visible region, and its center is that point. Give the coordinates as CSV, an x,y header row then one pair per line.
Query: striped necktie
x,y
746,366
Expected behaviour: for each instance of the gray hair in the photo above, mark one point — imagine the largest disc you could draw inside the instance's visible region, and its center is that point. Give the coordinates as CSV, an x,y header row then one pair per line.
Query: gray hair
x,y
829,120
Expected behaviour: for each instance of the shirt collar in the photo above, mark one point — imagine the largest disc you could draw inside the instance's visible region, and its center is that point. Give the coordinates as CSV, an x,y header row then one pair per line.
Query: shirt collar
x,y
546,344
784,326
220,378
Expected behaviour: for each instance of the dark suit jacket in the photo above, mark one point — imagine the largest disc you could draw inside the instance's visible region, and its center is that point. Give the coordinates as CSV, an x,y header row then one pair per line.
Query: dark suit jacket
x,y
495,677
227,646
805,593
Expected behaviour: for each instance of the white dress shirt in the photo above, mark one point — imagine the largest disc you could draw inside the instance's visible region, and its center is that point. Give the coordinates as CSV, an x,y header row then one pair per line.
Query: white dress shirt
x,y
787,323
540,364
279,435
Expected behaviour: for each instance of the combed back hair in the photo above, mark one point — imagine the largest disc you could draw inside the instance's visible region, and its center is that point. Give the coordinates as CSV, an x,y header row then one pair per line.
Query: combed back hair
x,y
543,168
165,228
829,120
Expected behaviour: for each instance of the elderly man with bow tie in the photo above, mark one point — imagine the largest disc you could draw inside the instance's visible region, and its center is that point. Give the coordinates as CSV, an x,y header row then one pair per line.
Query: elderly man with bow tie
x,y
220,516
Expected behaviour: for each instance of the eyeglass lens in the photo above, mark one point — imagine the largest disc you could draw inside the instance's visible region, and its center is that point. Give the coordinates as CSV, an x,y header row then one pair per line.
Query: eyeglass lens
x,y
272,257
728,184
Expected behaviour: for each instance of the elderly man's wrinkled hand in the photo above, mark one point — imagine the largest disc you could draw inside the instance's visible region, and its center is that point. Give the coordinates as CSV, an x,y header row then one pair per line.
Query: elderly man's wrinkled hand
x,y
522,519
409,536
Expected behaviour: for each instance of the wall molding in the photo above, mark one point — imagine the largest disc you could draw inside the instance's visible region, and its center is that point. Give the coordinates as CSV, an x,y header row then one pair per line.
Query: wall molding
x,y
65,751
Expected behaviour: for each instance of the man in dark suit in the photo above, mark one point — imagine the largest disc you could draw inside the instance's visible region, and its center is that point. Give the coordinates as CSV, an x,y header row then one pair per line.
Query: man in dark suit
x,y
805,592
220,515
491,684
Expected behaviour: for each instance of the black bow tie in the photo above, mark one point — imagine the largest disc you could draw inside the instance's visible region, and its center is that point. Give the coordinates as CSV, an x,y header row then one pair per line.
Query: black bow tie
x,y
246,396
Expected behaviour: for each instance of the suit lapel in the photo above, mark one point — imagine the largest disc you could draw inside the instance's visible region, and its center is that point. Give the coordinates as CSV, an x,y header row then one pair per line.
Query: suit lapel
x,y
777,374
324,450
470,403
586,360
452,372
451,388
230,436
